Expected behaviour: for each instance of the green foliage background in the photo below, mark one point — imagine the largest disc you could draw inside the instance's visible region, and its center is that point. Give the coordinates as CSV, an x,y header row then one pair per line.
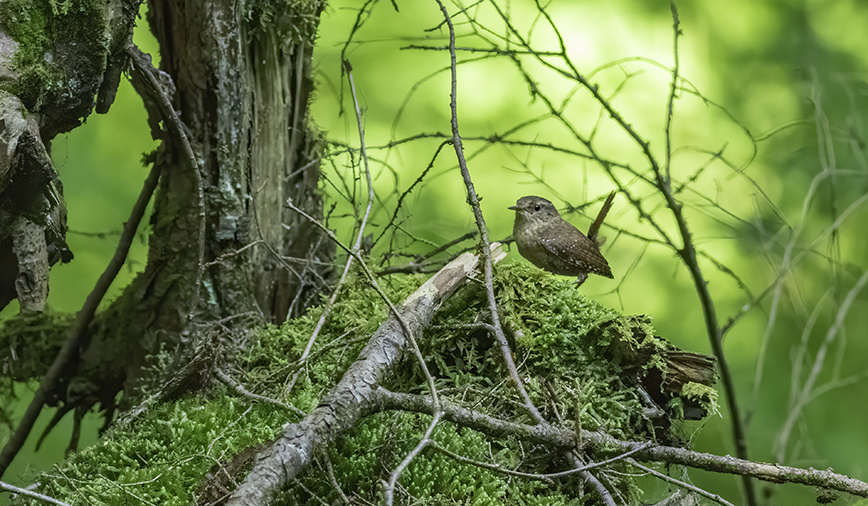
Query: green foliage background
x,y
792,73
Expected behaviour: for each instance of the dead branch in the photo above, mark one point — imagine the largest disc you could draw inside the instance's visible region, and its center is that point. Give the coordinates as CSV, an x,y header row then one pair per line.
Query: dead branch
x,y
355,395
79,329
604,445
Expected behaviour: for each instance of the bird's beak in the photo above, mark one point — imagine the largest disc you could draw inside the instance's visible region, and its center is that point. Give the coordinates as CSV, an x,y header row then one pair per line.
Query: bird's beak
x,y
513,208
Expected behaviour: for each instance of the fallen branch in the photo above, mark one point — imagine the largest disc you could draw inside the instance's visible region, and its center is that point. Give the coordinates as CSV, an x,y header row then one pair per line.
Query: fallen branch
x,y
355,395
604,445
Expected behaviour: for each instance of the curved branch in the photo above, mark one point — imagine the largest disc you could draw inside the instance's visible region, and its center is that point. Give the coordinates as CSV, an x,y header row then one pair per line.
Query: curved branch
x,y
355,395
79,329
604,445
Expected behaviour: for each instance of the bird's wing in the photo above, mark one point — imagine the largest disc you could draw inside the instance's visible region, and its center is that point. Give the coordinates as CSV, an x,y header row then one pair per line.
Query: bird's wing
x,y
566,246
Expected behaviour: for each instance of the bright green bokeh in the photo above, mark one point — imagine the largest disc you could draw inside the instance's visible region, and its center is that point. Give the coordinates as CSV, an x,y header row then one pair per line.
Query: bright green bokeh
x,y
770,65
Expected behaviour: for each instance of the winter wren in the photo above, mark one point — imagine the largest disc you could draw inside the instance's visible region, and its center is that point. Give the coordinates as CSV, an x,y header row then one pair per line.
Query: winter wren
x,y
550,242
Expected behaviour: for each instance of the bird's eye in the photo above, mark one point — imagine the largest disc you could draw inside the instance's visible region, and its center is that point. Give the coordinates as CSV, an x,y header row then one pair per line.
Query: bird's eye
x,y
536,207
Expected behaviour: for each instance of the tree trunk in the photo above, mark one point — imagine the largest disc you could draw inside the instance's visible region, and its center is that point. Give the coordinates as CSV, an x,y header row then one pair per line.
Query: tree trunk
x,y
240,85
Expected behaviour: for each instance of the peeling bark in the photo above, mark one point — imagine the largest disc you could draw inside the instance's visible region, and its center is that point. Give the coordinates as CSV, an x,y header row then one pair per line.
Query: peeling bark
x,y
356,394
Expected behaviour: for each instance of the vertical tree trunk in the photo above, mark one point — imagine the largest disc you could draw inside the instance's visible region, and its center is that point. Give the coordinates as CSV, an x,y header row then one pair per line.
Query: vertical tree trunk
x,y
241,76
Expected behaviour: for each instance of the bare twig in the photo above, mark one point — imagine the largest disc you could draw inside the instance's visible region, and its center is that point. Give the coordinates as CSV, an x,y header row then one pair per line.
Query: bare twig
x,y
334,481
473,200
358,244
692,488
408,190
31,494
534,476
670,108
78,331
389,486
419,263
605,445
372,278
234,385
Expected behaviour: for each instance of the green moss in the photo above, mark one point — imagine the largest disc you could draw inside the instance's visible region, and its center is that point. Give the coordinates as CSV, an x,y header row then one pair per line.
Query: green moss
x,y
160,459
571,353
60,42
703,395
365,456
293,22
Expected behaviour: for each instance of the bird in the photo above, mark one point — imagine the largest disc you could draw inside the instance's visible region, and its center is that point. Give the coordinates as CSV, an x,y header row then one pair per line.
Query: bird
x,y
551,243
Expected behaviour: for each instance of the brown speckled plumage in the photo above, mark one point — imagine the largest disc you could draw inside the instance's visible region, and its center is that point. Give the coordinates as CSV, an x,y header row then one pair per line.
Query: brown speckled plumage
x,y
551,243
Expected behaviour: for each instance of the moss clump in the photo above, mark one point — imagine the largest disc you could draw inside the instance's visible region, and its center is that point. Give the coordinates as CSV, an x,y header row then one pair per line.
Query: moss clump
x,y
29,343
161,458
571,353
61,57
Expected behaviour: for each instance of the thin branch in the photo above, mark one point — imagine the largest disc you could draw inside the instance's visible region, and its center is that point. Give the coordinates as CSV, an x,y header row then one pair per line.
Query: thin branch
x,y
805,395
473,200
389,492
408,190
358,244
78,331
31,494
144,69
533,476
604,444
334,481
670,107
419,264
237,387
372,278
692,488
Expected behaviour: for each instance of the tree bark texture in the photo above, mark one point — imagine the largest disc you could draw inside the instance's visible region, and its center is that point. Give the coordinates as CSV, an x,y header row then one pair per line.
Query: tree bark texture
x,y
239,78
222,244
356,393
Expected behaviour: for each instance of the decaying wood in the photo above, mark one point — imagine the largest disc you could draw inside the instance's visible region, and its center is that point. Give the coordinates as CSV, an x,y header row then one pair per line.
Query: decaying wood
x,y
354,396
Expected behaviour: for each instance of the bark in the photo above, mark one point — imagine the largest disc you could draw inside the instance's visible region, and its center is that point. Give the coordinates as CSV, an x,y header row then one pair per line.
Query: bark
x,y
240,86
356,394
222,243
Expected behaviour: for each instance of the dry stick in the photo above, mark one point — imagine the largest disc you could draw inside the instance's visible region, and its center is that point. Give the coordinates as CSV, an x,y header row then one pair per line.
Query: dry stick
x,y
79,329
603,444
473,200
334,481
358,244
239,388
692,488
544,477
31,494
